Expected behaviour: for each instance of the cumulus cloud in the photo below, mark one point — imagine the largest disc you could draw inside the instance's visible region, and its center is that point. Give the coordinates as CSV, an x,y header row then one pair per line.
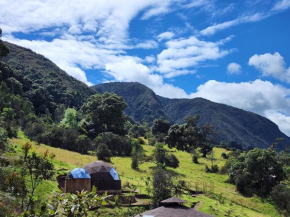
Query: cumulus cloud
x,y
234,68
271,65
184,53
261,97
165,36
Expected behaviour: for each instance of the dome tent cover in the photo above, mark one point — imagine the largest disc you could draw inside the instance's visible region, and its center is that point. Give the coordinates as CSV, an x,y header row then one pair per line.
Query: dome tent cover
x,y
78,173
104,177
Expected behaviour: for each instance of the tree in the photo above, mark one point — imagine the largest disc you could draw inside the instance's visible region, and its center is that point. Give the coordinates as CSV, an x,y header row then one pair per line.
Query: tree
x,y
3,137
163,158
137,154
119,145
70,118
258,170
160,126
103,152
38,169
162,185
105,113
4,50
206,139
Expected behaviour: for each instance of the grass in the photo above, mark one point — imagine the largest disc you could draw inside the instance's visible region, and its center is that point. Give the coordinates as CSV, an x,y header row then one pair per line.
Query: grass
x,y
220,198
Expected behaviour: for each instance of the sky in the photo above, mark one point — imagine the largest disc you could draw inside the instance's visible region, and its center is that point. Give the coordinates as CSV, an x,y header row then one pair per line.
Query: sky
x,y
231,52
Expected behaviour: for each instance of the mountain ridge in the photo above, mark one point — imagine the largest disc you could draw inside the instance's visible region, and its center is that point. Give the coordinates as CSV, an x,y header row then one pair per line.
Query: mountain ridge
x,y
233,124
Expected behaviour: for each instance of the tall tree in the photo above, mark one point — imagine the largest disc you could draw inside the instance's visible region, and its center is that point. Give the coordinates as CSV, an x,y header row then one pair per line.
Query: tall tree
x,y
105,113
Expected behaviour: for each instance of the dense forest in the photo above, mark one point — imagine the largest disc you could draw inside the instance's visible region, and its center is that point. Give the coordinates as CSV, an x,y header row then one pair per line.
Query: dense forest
x,y
52,108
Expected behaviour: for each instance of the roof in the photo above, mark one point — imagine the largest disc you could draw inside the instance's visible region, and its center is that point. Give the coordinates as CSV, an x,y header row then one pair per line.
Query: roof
x,y
97,166
78,173
101,169
173,200
173,211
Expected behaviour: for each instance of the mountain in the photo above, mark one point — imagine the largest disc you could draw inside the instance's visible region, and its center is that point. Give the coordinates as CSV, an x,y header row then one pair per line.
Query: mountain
x,y
44,81
143,103
232,124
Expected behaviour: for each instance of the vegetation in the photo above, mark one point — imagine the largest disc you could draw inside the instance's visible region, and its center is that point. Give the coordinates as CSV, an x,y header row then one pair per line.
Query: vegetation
x,y
256,171
233,125
160,159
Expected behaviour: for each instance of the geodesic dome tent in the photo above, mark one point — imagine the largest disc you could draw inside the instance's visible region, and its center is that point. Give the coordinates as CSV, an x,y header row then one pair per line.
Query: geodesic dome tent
x,y
104,177
77,180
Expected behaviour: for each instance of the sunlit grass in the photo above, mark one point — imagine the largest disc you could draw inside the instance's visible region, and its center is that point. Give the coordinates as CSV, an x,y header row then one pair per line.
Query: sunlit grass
x,y
215,185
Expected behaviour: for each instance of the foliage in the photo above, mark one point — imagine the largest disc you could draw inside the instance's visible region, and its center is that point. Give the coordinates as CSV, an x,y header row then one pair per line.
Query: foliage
x,y
103,152
70,118
160,126
43,83
76,205
137,155
118,145
162,185
257,170
171,161
163,158
104,113
137,131
37,169
281,196
4,50
143,105
3,137
224,156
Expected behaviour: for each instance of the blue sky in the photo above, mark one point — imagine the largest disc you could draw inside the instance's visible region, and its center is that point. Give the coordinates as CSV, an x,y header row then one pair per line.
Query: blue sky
x,y
231,52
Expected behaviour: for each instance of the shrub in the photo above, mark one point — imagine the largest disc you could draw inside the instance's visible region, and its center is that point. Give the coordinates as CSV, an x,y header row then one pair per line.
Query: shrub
x,y
195,159
213,169
281,196
224,156
171,161
103,152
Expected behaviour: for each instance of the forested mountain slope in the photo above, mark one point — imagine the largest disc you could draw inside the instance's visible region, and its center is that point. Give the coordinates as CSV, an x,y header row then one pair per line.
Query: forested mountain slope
x,y
232,124
143,104
46,85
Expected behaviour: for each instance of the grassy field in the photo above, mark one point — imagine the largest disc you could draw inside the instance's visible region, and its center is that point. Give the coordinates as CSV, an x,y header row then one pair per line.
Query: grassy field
x,y
219,199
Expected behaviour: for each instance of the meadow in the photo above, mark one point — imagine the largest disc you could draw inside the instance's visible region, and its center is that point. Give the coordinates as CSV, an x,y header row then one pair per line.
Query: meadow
x,y
219,198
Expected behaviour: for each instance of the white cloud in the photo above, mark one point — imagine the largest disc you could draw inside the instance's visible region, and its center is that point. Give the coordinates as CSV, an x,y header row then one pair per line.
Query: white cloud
x,y
280,119
246,18
234,68
136,71
243,19
261,97
165,36
184,53
282,5
271,65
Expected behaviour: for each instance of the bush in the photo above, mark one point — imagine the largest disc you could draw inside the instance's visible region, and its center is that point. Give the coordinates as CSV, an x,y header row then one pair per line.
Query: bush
x,y
103,152
213,169
281,196
195,159
224,156
171,161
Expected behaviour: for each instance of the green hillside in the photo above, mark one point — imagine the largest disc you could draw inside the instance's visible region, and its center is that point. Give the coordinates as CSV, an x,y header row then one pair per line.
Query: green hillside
x,y
46,85
219,198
